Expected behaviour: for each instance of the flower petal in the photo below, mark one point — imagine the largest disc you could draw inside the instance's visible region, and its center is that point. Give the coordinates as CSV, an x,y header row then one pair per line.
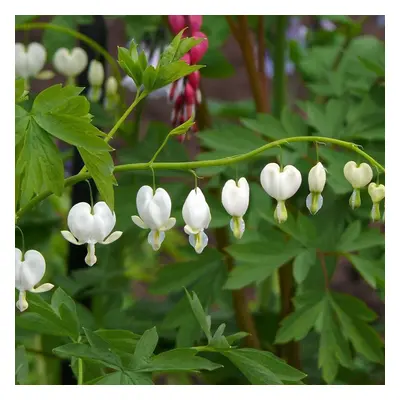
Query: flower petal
x,y
70,237
195,211
90,258
169,225
189,230
22,304
32,270
80,221
139,222
113,237
198,241
155,238
42,288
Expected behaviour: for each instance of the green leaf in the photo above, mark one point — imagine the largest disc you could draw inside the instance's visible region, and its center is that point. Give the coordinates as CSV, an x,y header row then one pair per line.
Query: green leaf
x,y
199,313
267,125
335,115
259,261
101,167
354,307
84,351
122,378
370,238
173,277
145,348
19,89
183,128
363,337
21,365
277,366
129,65
235,337
316,117
297,324
253,370
172,72
177,49
39,160
149,77
351,233
22,119
369,270
377,67
121,340
65,115
179,360
64,306
302,264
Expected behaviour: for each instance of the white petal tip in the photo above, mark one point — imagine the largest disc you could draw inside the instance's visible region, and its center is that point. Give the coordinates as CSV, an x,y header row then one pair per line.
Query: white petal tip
x,y
70,237
113,237
139,222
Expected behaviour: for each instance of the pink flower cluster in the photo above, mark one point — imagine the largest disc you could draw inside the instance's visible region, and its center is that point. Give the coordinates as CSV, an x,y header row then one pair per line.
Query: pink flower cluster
x,y
185,93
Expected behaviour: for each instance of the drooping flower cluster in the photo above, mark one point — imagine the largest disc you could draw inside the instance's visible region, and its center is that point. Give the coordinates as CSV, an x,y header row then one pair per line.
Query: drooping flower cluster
x,y
30,61
185,93
91,225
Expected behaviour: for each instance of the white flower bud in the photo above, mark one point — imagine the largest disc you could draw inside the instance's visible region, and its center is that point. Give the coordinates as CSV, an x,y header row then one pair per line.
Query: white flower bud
x,y
377,193
111,86
316,184
96,73
30,60
29,270
235,199
91,227
358,175
154,210
197,216
317,178
70,63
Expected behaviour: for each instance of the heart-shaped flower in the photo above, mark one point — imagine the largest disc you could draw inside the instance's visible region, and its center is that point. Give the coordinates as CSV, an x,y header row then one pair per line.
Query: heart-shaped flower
x,y
30,60
29,270
154,210
197,216
91,227
281,185
70,63
235,199
95,79
198,51
377,193
359,176
316,184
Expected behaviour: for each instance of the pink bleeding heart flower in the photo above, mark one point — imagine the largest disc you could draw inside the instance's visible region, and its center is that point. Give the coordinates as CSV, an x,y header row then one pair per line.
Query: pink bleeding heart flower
x,y
176,22
187,58
190,94
194,79
197,52
195,22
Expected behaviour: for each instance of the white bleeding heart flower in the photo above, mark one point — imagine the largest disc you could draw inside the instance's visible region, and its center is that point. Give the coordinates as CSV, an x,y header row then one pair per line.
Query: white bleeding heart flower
x,y
111,98
70,63
29,270
281,185
377,193
154,213
95,79
30,60
197,216
91,227
359,176
316,184
235,199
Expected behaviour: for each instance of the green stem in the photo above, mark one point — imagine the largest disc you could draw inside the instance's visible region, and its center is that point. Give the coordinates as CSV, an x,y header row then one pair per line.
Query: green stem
x,y
80,371
206,163
80,36
110,135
